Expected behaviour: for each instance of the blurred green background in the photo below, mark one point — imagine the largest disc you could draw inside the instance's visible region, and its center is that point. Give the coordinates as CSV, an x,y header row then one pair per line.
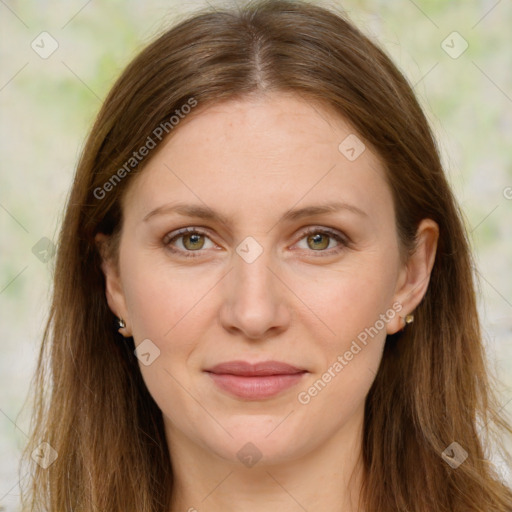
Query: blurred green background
x,y
48,105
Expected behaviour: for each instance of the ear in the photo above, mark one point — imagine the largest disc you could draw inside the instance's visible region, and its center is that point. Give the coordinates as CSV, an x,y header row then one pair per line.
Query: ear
x,y
414,275
113,287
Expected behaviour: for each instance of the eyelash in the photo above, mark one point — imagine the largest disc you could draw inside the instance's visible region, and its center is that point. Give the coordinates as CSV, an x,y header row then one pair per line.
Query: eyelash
x,y
341,239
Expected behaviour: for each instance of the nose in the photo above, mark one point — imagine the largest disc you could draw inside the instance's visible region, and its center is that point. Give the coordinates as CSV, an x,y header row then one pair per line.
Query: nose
x,y
256,303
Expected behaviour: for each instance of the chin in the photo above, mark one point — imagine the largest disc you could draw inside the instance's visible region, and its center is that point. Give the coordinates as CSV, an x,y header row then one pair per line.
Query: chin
x,y
256,440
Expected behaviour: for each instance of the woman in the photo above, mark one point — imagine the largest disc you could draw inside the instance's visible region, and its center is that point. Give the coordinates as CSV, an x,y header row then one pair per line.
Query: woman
x,y
263,294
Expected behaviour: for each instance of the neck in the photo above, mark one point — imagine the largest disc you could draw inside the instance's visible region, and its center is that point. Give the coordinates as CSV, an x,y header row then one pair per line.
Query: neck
x,y
327,478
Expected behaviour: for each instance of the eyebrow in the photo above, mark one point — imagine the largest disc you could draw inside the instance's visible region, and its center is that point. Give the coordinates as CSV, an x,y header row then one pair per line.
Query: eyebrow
x,y
204,212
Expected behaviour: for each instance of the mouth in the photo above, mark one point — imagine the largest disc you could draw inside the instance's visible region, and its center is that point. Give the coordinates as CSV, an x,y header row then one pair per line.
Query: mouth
x,y
255,381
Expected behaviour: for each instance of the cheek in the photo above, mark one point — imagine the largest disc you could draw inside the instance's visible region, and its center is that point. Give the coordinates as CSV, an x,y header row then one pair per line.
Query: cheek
x,y
172,310
348,299
352,307
349,358
162,297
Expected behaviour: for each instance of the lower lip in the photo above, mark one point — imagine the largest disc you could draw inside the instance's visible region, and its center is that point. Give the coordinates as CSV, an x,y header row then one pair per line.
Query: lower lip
x,y
255,388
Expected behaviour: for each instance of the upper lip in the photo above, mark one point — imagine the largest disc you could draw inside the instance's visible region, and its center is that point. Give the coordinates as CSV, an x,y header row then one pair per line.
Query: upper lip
x,y
255,369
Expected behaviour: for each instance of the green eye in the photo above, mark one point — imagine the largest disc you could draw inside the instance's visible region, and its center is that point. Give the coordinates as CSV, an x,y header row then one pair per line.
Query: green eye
x,y
193,241
318,240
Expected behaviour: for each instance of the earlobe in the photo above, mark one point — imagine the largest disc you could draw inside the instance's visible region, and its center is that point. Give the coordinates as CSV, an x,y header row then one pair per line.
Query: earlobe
x,y
414,276
113,287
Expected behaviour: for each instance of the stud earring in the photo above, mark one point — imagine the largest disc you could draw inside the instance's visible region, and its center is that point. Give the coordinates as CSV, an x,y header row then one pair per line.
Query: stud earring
x,y
121,323
409,319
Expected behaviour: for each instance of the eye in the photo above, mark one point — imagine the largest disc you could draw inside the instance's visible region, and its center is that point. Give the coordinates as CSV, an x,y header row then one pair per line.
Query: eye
x,y
192,240
319,239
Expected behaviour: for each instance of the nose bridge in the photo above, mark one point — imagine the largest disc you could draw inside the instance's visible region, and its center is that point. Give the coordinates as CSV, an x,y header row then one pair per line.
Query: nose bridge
x,y
252,276
255,300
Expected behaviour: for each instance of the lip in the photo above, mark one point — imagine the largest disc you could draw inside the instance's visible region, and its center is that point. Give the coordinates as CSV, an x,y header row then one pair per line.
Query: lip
x,y
246,369
255,381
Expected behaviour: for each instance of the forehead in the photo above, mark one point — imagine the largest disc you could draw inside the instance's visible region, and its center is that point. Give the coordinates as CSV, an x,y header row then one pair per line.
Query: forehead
x,y
262,154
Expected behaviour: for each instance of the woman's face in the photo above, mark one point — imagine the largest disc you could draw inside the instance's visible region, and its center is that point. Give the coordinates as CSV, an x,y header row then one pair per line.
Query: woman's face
x,y
297,261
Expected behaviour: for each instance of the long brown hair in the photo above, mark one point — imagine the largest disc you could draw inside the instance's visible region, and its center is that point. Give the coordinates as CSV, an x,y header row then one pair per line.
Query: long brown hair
x,y
432,388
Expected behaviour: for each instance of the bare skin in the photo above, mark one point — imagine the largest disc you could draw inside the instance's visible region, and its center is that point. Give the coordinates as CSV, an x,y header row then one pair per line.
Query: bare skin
x,y
304,300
